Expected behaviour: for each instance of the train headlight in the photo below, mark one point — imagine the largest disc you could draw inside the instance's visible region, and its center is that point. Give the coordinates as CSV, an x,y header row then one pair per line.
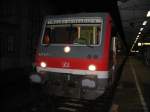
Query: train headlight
x,y
92,67
43,64
67,49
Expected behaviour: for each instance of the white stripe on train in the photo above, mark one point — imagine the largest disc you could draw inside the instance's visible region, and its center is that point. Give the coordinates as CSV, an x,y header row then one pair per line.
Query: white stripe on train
x,y
100,74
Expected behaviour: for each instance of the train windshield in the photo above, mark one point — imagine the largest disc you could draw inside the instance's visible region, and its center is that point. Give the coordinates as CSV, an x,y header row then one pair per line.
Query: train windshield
x,y
75,34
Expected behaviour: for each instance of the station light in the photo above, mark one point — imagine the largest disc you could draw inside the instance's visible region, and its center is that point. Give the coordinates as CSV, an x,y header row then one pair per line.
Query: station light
x,y
137,36
141,29
132,46
147,44
148,14
139,44
144,23
139,33
135,42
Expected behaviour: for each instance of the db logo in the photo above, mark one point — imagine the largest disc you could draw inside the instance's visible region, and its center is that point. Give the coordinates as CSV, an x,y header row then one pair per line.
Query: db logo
x,y
66,64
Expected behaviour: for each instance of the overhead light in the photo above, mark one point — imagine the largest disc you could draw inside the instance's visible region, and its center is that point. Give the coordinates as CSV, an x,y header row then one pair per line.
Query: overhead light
x,y
139,33
137,36
145,22
141,29
139,44
147,44
148,14
135,41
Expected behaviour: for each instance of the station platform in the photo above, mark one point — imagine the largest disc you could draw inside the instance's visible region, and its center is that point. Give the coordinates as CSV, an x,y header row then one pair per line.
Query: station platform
x,y
133,91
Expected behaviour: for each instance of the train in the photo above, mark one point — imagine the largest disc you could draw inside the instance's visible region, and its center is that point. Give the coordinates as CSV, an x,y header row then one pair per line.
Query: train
x,y
78,55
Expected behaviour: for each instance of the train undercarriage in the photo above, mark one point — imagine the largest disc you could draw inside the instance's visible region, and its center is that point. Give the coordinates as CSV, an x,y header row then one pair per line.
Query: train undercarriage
x,y
75,86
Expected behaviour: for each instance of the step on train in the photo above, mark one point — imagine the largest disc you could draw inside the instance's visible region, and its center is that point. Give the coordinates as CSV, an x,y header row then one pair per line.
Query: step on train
x,y
78,55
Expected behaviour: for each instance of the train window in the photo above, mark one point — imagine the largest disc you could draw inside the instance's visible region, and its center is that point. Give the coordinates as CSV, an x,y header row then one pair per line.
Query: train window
x,y
76,34
88,35
46,38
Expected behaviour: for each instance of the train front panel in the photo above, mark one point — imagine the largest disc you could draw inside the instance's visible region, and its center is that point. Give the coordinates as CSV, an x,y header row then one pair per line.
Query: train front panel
x,y
73,54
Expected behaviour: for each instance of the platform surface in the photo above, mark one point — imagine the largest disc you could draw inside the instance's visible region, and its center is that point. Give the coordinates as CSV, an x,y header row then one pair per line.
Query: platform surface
x,y
133,91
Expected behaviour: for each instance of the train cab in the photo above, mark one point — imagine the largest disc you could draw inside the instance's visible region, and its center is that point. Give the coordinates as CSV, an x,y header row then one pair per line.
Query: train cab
x,y
76,55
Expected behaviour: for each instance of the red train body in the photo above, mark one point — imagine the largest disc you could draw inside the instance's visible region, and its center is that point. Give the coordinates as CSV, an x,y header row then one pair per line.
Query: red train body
x,y
76,55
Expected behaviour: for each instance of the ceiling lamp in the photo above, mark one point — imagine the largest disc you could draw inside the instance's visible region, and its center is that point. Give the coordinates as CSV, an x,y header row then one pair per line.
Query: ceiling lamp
x,y
148,14
148,44
145,22
139,44
141,29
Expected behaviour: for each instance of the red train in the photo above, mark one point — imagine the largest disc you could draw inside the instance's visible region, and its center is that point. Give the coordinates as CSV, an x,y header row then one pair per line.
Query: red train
x,y
78,55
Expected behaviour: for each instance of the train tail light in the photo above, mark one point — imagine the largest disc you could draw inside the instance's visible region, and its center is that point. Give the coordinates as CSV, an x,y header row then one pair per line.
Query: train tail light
x,y
43,64
92,67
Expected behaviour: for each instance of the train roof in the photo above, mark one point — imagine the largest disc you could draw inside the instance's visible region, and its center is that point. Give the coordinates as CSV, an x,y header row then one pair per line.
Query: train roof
x,y
95,14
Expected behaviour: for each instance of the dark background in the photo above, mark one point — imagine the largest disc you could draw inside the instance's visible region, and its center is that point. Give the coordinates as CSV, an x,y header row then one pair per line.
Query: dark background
x,y
21,21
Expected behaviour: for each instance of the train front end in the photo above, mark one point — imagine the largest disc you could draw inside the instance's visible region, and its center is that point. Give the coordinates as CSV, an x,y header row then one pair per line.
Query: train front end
x,y
73,55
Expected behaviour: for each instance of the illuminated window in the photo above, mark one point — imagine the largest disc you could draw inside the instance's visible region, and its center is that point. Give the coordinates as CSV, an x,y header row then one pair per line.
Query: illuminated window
x,y
76,34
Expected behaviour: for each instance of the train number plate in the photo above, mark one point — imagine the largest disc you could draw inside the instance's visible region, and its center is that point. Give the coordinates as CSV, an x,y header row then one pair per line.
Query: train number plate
x,y
88,83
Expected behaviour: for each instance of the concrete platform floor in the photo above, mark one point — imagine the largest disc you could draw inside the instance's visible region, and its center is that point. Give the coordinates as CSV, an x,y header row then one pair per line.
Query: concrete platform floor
x,y
133,92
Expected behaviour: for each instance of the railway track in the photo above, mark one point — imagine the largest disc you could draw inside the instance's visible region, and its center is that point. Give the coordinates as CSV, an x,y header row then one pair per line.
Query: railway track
x,y
37,101
61,104
102,103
